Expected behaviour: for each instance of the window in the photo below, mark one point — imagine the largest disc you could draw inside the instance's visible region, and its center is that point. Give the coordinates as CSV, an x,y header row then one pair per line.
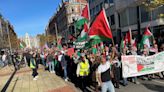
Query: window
x,y
112,19
111,1
132,15
97,8
101,5
145,15
106,1
123,18
90,1
94,12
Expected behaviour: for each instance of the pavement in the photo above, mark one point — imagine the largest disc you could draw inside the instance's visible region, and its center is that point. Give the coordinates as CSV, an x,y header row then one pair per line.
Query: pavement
x,y
47,82
156,85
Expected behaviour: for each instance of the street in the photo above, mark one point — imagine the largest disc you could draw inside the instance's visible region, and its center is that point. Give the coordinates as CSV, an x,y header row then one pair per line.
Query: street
x,y
156,85
144,86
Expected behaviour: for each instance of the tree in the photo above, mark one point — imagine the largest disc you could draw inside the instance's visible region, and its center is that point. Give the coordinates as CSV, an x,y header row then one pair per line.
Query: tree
x,y
50,38
152,4
46,39
42,39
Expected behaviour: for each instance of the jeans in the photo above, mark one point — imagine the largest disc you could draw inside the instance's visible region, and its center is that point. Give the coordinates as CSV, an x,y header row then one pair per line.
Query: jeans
x,y
43,62
1,64
107,86
65,72
51,66
125,81
134,79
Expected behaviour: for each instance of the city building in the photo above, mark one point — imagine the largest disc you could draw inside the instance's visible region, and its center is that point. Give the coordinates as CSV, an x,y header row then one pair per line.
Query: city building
x,y
133,14
8,37
62,22
125,14
96,5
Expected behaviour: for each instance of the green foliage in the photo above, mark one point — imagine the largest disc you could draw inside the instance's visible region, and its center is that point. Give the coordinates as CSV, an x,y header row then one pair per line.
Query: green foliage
x,y
152,4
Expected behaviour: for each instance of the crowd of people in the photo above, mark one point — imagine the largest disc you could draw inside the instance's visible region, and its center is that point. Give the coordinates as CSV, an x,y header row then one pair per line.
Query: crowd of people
x,y
99,67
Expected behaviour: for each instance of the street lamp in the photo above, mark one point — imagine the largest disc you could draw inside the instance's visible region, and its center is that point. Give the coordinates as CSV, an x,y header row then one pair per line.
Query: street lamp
x,y
7,28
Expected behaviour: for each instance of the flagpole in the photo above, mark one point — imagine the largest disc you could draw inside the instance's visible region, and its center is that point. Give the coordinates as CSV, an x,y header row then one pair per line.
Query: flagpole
x,y
113,42
148,26
130,31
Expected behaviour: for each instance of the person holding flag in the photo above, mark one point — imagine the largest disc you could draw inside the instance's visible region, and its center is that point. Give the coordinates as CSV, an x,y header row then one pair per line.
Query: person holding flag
x,y
145,41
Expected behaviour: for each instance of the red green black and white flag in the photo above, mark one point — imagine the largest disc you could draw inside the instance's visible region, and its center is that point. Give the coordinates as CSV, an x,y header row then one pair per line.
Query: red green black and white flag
x,y
145,39
84,18
100,30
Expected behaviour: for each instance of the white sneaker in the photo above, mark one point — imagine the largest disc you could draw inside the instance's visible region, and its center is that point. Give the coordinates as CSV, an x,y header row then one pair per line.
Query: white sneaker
x,y
53,71
34,79
66,79
36,76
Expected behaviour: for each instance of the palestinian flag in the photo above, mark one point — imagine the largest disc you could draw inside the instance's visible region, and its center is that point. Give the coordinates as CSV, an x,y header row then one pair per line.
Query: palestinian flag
x,y
102,45
84,34
84,18
21,45
145,39
122,45
59,46
128,37
134,43
100,30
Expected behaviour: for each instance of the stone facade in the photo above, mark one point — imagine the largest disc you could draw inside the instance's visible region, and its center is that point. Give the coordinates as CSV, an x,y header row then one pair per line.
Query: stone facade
x,y
67,13
7,29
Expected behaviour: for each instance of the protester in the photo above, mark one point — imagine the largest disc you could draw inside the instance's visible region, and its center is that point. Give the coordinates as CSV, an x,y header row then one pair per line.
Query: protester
x,y
83,72
4,58
133,51
42,58
50,61
116,71
101,66
104,76
64,65
124,53
145,54
33,65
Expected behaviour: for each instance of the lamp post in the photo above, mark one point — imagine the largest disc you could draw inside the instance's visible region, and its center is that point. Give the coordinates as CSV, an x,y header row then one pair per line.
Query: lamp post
x,y
7,28
56,30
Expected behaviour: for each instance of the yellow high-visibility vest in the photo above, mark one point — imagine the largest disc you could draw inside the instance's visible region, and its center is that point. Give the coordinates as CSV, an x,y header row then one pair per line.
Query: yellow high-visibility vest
x,y
84,68
32,64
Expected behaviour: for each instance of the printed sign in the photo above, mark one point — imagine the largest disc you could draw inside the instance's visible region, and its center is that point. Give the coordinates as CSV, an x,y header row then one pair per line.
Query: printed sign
x,y
135,65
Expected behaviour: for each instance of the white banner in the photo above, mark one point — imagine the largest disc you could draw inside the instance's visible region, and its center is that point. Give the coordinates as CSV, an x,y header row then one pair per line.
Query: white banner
x,y
79,45
135,65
